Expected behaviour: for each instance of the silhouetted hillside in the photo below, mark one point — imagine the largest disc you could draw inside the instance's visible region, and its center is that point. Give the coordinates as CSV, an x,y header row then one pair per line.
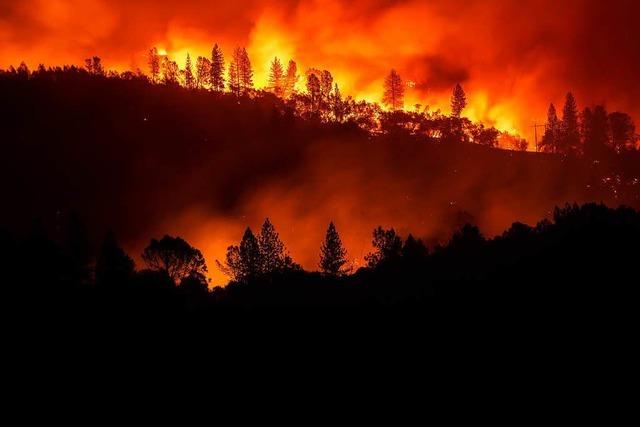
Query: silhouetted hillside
x,y
134,157
584,257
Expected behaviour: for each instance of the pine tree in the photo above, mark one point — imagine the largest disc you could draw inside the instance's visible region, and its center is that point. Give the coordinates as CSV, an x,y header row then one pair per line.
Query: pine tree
x,y
276,78
570,138
549,141
234,72
154,65
203,72
243,262
273,254
217,69
314,91
246,72
189,81
291,79
240,72
393,91
458,101
333,254
337,105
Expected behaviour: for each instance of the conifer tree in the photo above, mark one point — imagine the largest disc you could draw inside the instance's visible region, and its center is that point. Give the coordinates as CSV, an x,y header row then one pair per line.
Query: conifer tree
x,y
240,72
551,135
189,81
234,73
393,91
458,101
246,72
333,254
203,72
273,254
217,69
276,78
570,139
154,65
243,263
314,91
291,79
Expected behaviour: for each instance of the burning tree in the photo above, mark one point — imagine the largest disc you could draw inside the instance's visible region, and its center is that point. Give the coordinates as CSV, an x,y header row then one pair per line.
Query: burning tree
x,y
393,91
276,78
458,101
189,80
203,72
154,65
570,133
240,72
551,135
217,69
290,79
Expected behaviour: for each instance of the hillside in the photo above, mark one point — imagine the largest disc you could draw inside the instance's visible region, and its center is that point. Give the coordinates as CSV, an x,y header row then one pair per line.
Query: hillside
x,y
145,160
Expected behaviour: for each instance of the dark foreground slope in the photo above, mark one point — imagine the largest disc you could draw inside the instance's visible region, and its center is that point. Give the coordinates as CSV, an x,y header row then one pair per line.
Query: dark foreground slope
x,y
585,260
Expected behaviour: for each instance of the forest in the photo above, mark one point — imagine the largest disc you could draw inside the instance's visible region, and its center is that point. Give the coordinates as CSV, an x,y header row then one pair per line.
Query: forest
x,y
91,156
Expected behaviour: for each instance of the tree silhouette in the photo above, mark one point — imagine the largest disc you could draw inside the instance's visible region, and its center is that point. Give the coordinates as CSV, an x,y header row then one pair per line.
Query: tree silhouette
x,y
276,78
467,238
458,101
154,64
339,108
113,267
393,91
414,249
203,72
386,244
273,254
189,81
170,71
291,79
623,131
246,72
326,85
243,263
217,69
551,135
314,91
595,130
570,132
23,70
94,66
240,72
333,256
174,256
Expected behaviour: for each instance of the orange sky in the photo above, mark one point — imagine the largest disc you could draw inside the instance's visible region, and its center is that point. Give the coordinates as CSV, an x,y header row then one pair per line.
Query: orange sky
x,y
512,57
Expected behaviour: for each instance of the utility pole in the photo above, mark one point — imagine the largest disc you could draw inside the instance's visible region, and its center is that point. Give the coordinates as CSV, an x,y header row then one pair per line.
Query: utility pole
x,y
535,132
